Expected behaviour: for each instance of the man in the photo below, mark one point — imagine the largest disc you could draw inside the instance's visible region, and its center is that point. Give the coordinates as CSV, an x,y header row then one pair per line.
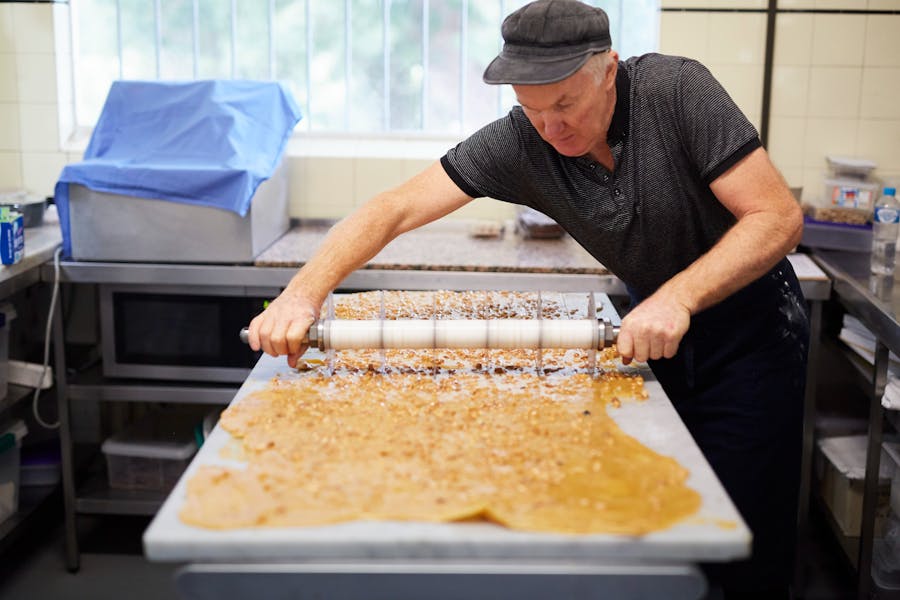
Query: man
x,y
651,167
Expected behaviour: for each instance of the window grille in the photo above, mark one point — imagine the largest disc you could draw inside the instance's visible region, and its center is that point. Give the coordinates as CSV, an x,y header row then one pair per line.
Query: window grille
x,y
357,66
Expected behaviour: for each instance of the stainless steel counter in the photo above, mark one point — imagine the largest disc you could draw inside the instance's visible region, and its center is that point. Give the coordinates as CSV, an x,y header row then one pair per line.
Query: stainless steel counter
x,y
875,301
40,244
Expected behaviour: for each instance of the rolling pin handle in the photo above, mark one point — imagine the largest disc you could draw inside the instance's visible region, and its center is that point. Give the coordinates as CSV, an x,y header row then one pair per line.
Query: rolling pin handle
x,y
244,334
608,334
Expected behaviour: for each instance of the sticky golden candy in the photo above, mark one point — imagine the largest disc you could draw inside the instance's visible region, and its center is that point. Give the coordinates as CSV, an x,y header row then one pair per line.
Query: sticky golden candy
x,y
423,442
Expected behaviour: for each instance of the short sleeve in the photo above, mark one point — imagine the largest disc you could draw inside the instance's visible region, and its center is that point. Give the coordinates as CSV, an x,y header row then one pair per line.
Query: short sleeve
x,y
489,163
716,133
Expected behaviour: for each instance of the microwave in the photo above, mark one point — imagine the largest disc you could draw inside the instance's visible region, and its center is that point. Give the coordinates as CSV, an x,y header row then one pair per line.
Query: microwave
x,y
178,332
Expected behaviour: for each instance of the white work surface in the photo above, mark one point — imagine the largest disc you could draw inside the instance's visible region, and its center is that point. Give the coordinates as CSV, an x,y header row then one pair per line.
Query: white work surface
x,y
715,533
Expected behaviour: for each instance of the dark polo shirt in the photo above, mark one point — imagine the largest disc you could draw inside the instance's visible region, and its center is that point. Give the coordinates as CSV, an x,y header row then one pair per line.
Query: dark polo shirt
x,y
674,130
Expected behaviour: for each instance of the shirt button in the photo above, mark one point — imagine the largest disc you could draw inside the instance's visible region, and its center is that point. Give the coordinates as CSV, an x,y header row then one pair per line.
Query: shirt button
x,y
617,192
605,178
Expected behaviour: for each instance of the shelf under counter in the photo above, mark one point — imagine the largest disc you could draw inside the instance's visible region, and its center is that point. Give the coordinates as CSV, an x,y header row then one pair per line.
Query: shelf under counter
x,y
93,385
95,496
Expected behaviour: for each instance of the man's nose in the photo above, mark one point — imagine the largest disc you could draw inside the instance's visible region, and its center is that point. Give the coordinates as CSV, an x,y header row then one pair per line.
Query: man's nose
x,y
553,125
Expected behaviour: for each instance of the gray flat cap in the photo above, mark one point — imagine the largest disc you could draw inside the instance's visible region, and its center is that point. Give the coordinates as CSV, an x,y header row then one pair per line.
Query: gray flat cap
x,y
548,40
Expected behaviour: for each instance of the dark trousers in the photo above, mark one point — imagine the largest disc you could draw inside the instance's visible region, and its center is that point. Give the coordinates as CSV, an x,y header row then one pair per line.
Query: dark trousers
x,y
738,382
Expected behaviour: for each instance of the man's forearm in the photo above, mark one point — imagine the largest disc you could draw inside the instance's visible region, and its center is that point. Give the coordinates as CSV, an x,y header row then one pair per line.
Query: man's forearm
x,y
351,243
745,253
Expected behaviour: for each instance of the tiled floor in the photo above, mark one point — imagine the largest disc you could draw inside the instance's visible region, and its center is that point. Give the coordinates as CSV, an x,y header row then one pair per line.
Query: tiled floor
x,y
112,566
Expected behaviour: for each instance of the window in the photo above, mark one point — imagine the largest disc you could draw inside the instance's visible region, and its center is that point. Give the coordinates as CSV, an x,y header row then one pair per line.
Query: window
x,y
358,66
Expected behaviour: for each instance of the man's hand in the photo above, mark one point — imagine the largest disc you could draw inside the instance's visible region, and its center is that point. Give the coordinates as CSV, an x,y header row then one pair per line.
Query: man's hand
x,y
653,329
280,328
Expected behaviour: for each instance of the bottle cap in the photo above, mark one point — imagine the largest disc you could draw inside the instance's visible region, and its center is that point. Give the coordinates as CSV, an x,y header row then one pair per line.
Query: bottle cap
x,y
890,191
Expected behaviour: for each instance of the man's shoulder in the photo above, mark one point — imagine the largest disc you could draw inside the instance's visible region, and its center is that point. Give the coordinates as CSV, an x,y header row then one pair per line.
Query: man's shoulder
x,y
651,73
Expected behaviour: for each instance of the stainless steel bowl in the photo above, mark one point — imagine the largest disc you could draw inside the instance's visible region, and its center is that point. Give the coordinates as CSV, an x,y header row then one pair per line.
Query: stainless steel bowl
x,y
31,207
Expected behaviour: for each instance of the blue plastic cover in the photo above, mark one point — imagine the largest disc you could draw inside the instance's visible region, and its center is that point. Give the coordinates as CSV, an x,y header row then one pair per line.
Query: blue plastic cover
x,y
208,143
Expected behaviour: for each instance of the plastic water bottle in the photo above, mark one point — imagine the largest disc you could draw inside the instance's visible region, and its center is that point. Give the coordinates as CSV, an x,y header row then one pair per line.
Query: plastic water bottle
x,y
885,225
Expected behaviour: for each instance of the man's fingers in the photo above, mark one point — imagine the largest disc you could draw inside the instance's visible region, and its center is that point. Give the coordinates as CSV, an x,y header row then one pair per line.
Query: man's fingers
x,y
295,334
625,346
253,333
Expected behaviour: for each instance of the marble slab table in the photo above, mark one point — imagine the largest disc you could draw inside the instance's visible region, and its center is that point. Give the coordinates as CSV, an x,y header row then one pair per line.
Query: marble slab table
x,y
408,560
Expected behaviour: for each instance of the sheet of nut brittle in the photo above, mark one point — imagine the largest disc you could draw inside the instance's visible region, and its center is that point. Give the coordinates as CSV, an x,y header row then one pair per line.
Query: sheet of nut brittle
x,y
509,436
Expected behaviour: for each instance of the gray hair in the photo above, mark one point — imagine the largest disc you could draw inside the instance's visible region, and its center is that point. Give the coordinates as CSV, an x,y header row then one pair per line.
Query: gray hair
x,y
597,64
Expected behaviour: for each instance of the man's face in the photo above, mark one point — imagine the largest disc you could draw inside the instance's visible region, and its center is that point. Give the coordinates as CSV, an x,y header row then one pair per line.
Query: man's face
x,y
572,115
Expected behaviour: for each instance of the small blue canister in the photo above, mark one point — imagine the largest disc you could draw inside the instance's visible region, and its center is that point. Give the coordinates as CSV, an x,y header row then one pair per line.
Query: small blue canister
x,y
12,236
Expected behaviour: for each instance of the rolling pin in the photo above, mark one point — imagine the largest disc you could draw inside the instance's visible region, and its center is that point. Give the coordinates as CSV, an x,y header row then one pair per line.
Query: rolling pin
x,y
510,334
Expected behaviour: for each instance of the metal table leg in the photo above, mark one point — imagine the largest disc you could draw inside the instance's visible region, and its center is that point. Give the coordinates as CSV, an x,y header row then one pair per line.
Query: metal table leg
x,y
806,456
65,441
873,463
439,581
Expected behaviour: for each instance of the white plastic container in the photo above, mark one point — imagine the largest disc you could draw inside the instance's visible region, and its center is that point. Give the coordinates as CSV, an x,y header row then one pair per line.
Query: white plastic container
x,y
151,454
11,436
846,166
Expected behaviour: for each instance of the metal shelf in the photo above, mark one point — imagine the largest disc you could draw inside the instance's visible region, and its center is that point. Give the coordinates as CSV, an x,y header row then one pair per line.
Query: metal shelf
x,y
91,385
14,394
95,496
863,370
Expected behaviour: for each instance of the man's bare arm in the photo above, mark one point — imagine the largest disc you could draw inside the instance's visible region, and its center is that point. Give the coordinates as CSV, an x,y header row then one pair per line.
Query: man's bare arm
x,y
769,224
349,245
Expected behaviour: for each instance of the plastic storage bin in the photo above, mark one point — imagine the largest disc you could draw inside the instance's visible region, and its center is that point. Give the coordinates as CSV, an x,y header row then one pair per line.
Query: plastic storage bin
x,y
886,550
841,470
11,436
151,454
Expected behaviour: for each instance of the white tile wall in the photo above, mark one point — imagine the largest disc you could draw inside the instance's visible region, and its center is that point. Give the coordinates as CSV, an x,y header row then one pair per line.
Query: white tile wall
x,y
684,34
882,43
786,141
33,28
10,170
737,38
37,77
9,91
884,4
7,44
794,39
878,140
372,176
328,189
9,128
40,171
880,94
838,40
828,136
39,128
834,92
790,91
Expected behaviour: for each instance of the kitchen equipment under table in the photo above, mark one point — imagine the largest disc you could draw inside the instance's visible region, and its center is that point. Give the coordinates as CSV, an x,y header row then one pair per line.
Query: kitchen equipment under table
x,y
397,560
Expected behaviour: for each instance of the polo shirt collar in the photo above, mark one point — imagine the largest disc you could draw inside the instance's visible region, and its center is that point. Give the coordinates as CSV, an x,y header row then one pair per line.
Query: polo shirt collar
x,y
618,126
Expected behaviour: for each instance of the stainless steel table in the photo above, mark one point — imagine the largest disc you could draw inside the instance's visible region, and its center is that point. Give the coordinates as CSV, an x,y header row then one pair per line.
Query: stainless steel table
x,y
875,301
269,279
